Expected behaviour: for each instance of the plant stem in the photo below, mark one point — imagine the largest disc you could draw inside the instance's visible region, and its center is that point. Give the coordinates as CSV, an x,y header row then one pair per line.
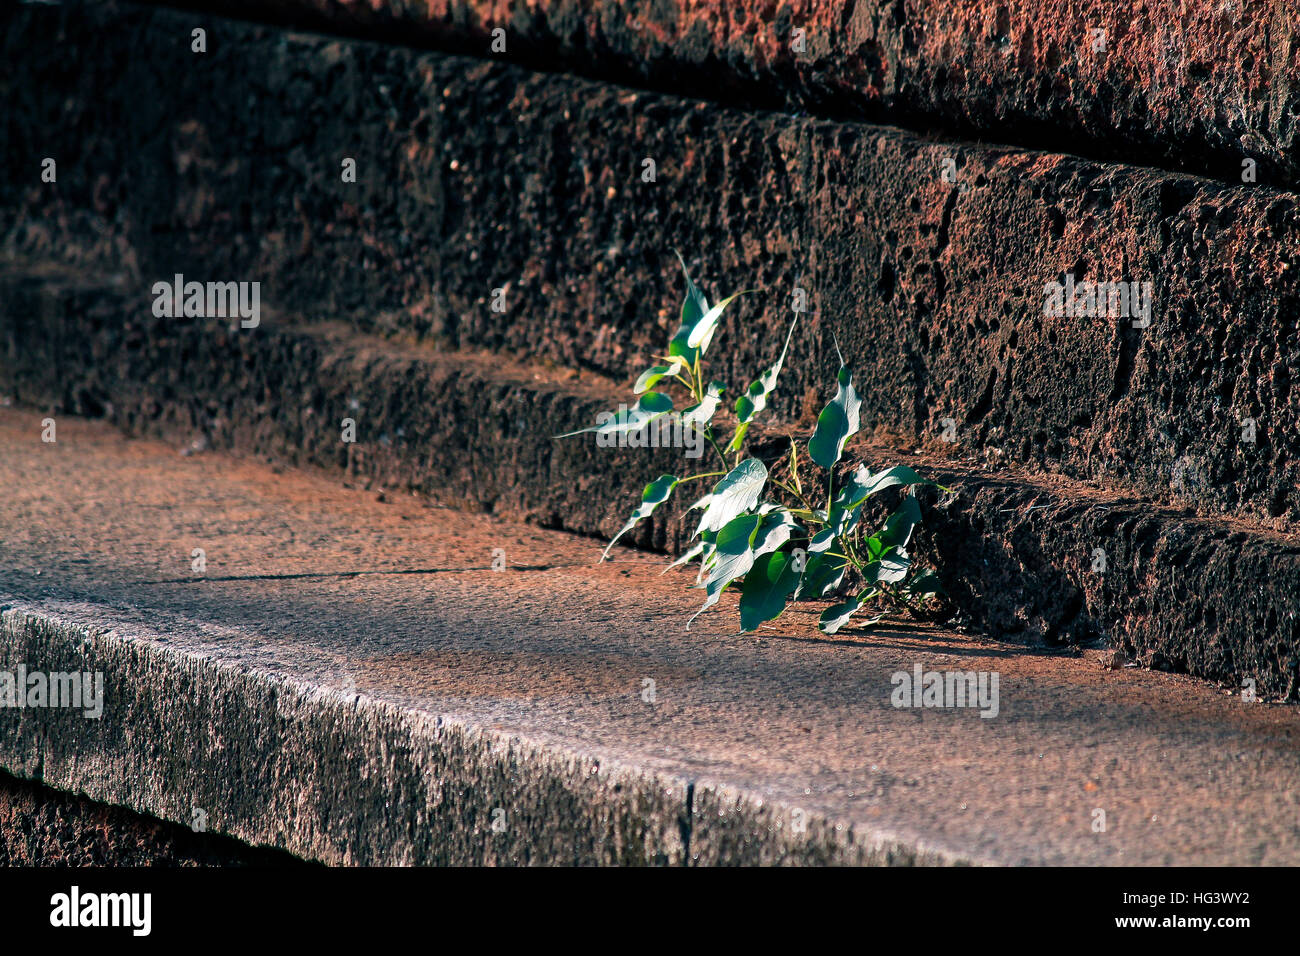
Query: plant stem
x,y
709,474
790,491
708,433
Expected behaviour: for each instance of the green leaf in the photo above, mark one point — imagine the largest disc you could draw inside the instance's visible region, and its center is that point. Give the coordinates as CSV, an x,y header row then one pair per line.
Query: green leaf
x,y
651,376
734,558
767,588
738,492
709,539
826,565
702,334
694,307
755,398
898,529
838,422
821,541
871,572
823,573
738,439
649,406
893,566
924,585
695,551
702,413
734,549
842,521
777,527
655,494
837,615
863,484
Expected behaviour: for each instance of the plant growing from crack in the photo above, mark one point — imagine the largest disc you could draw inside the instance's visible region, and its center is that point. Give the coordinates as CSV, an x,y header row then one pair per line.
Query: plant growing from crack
x,y
810,541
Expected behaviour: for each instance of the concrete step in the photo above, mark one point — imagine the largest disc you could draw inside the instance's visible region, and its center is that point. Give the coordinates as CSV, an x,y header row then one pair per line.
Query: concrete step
x,y
477,176
1202,86
348,680
1213,597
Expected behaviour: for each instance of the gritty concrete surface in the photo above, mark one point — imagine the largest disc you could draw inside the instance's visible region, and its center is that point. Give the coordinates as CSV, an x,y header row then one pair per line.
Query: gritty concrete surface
x,y
1210,596
1201,85
44,827
348,680
475,176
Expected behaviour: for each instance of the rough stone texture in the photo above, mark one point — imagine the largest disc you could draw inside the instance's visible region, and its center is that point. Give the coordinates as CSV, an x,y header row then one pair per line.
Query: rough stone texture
x,y
477,176
1198,85
312,771
461,428
349,680
44,827
1210,596
732,825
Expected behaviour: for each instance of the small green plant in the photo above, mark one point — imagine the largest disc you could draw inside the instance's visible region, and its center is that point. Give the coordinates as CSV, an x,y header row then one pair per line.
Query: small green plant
x,y
802,546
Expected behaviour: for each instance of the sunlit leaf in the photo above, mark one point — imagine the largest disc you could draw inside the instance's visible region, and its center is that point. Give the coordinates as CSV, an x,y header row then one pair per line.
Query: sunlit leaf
x,y
735,557
893,566
694,552
651,376
655,494
837,615
838,422
702,413
842,521
694,308
755,398
710,555
777,527
821,541
702,334
738,492
649,407
862,485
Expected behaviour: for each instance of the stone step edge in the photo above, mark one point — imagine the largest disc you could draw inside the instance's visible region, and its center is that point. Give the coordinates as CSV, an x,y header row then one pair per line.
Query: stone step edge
x,y
1116,93
429,787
